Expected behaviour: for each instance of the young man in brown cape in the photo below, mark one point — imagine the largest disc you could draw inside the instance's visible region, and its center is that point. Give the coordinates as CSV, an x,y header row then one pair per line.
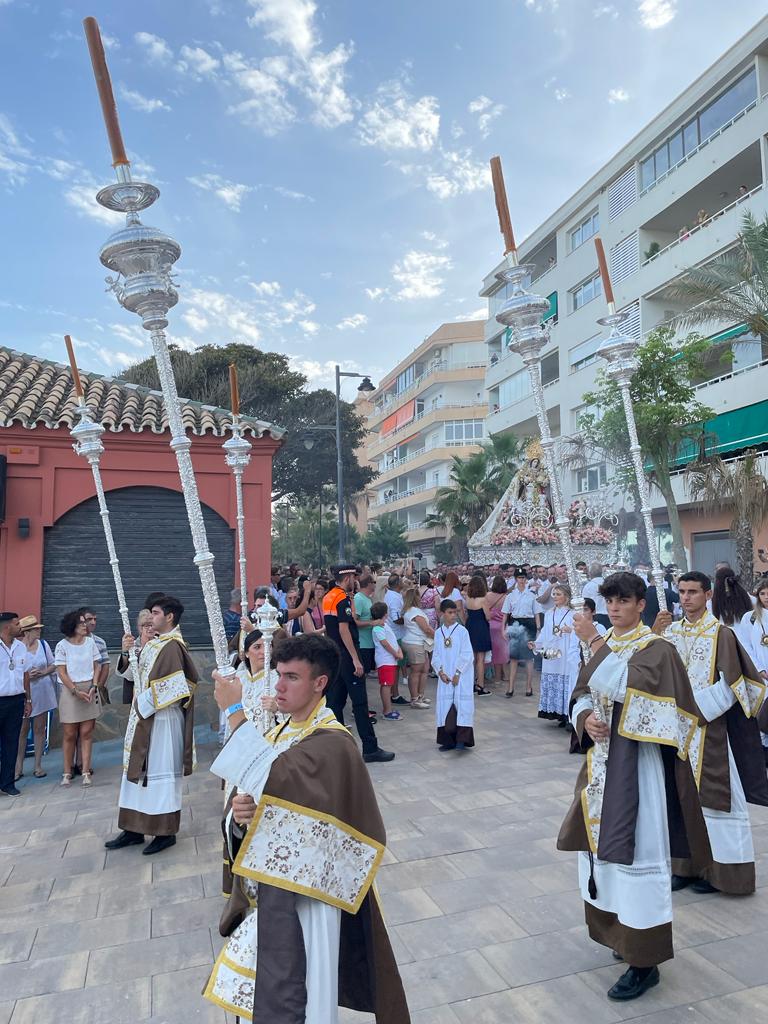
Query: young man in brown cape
x,y
726,753
639,806
305,840
159,748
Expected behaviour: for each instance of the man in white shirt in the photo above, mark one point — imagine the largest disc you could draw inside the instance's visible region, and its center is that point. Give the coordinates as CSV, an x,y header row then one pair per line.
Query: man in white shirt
x,y
15,702
592,589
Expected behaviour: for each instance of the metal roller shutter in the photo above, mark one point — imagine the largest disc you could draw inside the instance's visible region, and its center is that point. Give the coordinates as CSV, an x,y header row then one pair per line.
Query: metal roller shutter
x,y
154,546
622,193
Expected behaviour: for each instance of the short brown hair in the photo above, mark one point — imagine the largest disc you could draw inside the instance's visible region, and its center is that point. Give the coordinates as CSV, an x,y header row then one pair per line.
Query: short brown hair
x,y
477,587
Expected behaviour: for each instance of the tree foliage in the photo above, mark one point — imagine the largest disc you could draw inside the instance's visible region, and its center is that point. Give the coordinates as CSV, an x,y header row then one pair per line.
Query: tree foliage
x,y
667,413
733,288
740,488
270,390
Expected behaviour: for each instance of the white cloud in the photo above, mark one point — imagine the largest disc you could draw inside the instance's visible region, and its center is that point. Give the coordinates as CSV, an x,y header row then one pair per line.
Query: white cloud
x,y
605,11
309,327
420,274
60,170
112,359
198,61
195,320
155,48
481,313
561,95
287,21
14,156
394,121
231,193
458,173
140,102
539,6
110,42
375,294
618,95
352,323
230,318
266,287
82,198
267,106
323,374
656,13
289,193
488,111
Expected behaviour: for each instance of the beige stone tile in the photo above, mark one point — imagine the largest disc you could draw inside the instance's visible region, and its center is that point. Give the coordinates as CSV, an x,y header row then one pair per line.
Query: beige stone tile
x,y
120,899
554,913
38,977
438,844
737,1008
408,905
454,933
552,1002
535,958
444,979
394,877
736,955
176,996
77,908
33,870
149,957
101,931
16,946
118,1003
181,917
82,885
22,894
6,1009
455,895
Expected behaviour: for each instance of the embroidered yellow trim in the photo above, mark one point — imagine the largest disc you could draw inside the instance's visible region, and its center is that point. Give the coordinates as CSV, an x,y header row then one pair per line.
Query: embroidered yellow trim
x,y
210,995
693,720
154,683
700,764
589,822
281,883
748,711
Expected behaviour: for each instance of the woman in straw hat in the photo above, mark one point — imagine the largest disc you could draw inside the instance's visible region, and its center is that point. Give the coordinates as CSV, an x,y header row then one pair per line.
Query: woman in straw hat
x,y
43,683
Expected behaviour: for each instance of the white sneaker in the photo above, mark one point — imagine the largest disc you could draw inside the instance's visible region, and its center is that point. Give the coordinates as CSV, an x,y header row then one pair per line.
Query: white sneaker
x,y
419,703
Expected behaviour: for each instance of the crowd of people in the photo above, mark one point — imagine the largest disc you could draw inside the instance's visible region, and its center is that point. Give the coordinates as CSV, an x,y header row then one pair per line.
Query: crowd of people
x,y
303,834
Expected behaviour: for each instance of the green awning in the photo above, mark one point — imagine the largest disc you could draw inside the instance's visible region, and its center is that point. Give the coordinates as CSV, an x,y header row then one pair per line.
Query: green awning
x,y
740,428
732,332
552,311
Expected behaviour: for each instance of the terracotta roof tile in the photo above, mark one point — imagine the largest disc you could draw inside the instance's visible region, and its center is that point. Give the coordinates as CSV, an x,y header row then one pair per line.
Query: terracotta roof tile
x,y
34,390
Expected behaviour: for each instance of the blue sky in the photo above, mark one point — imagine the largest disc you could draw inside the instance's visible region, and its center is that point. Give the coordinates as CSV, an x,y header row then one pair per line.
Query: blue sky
x,y
323,164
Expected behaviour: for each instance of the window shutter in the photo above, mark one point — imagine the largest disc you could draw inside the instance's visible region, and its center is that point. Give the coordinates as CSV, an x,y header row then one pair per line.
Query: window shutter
x,y
625,257
622,193
631,325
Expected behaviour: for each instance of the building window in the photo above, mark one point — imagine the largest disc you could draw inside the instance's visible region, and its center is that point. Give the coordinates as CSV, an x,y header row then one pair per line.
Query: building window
x,y
586,292
550,368
514,388
464,431
581,234
405,379
584,354
591,478
737,97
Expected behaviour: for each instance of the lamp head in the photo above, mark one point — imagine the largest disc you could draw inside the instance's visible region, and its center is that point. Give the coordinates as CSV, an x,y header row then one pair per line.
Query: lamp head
x,y
365,385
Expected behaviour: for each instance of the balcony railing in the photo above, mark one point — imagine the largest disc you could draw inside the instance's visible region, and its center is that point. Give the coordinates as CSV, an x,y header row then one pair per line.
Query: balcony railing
x,y
705,223
433,368
426,448
427,412
398,495
529,394
733,373
701,145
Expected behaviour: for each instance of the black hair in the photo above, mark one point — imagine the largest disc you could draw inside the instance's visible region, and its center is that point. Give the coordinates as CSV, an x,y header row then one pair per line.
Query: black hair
x,y
152,598
694,576
623,584
86,610
170,606
70,622
251,639
447,604
729,599
320,653
379,609
589,603
8,616
425,579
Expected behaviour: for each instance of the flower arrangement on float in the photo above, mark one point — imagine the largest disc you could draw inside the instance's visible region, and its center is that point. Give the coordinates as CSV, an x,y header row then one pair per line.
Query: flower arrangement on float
x,y
529,534
592,535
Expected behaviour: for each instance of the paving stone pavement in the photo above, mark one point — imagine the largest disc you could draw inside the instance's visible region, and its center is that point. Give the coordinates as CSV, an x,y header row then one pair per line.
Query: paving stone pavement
x,y
483,912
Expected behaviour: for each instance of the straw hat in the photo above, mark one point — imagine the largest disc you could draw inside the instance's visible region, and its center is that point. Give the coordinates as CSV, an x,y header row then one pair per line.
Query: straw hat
x,y
30,622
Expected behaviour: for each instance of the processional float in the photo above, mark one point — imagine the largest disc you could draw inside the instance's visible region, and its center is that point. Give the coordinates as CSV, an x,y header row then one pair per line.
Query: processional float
x,y
142,259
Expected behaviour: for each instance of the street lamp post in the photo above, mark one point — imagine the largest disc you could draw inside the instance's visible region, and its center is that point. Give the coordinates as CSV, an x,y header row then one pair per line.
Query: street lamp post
x,y
364,387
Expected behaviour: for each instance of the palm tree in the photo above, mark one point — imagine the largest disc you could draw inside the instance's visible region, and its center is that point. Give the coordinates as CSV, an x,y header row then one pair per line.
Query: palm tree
x,y
463,506
504,453
733,288
739,487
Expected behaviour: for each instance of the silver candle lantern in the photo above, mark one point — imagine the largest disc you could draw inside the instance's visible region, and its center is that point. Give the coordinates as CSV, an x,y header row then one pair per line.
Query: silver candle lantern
x,y
142,258
267,622
237,452
620,354
87,437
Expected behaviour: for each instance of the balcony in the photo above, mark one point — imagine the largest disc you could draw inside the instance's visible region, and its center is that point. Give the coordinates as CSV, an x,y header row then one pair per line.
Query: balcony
x,y
438,413
422,492
437,369
427,455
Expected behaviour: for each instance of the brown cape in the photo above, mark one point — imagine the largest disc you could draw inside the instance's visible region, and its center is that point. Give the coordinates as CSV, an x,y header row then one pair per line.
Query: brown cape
x,y
658,671
323,772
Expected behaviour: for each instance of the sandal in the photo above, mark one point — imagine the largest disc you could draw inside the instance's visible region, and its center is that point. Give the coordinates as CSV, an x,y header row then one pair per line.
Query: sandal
x,y
19,776
87,778
39,773
66,779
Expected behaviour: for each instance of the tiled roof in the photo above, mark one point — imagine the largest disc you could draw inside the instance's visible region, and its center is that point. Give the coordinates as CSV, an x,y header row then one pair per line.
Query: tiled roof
x,y
36,391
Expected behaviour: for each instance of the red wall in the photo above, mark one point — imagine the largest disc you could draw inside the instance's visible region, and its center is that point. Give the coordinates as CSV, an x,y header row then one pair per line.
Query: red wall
x,y
46,479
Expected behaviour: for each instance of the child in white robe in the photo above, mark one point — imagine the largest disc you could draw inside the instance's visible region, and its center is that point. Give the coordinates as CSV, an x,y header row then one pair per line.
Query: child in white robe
x,y
453,660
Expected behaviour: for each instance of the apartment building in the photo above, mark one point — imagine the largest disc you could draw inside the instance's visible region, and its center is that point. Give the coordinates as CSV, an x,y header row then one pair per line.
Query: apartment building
x,y
673,198
430,407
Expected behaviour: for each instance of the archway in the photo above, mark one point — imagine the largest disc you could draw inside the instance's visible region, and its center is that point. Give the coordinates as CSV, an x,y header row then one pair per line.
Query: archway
x,y
155,549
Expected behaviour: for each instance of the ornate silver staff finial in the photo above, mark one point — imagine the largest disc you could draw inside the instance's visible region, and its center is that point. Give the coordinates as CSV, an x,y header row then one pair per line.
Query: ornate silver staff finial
x,y
142,259
267,623
87,437
238,455
620,354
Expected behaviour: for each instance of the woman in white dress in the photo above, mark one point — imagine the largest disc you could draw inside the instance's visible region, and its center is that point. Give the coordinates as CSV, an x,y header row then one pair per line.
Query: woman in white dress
x,y
753,633
560,657
77,662
43,683
258,707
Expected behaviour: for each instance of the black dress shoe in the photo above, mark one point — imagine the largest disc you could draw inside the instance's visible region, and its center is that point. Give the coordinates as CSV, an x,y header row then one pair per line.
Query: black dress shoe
x,y
633,982
12,791
379,755
158,843
701,885
446,746
680,882
400,700
616,955
124,839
